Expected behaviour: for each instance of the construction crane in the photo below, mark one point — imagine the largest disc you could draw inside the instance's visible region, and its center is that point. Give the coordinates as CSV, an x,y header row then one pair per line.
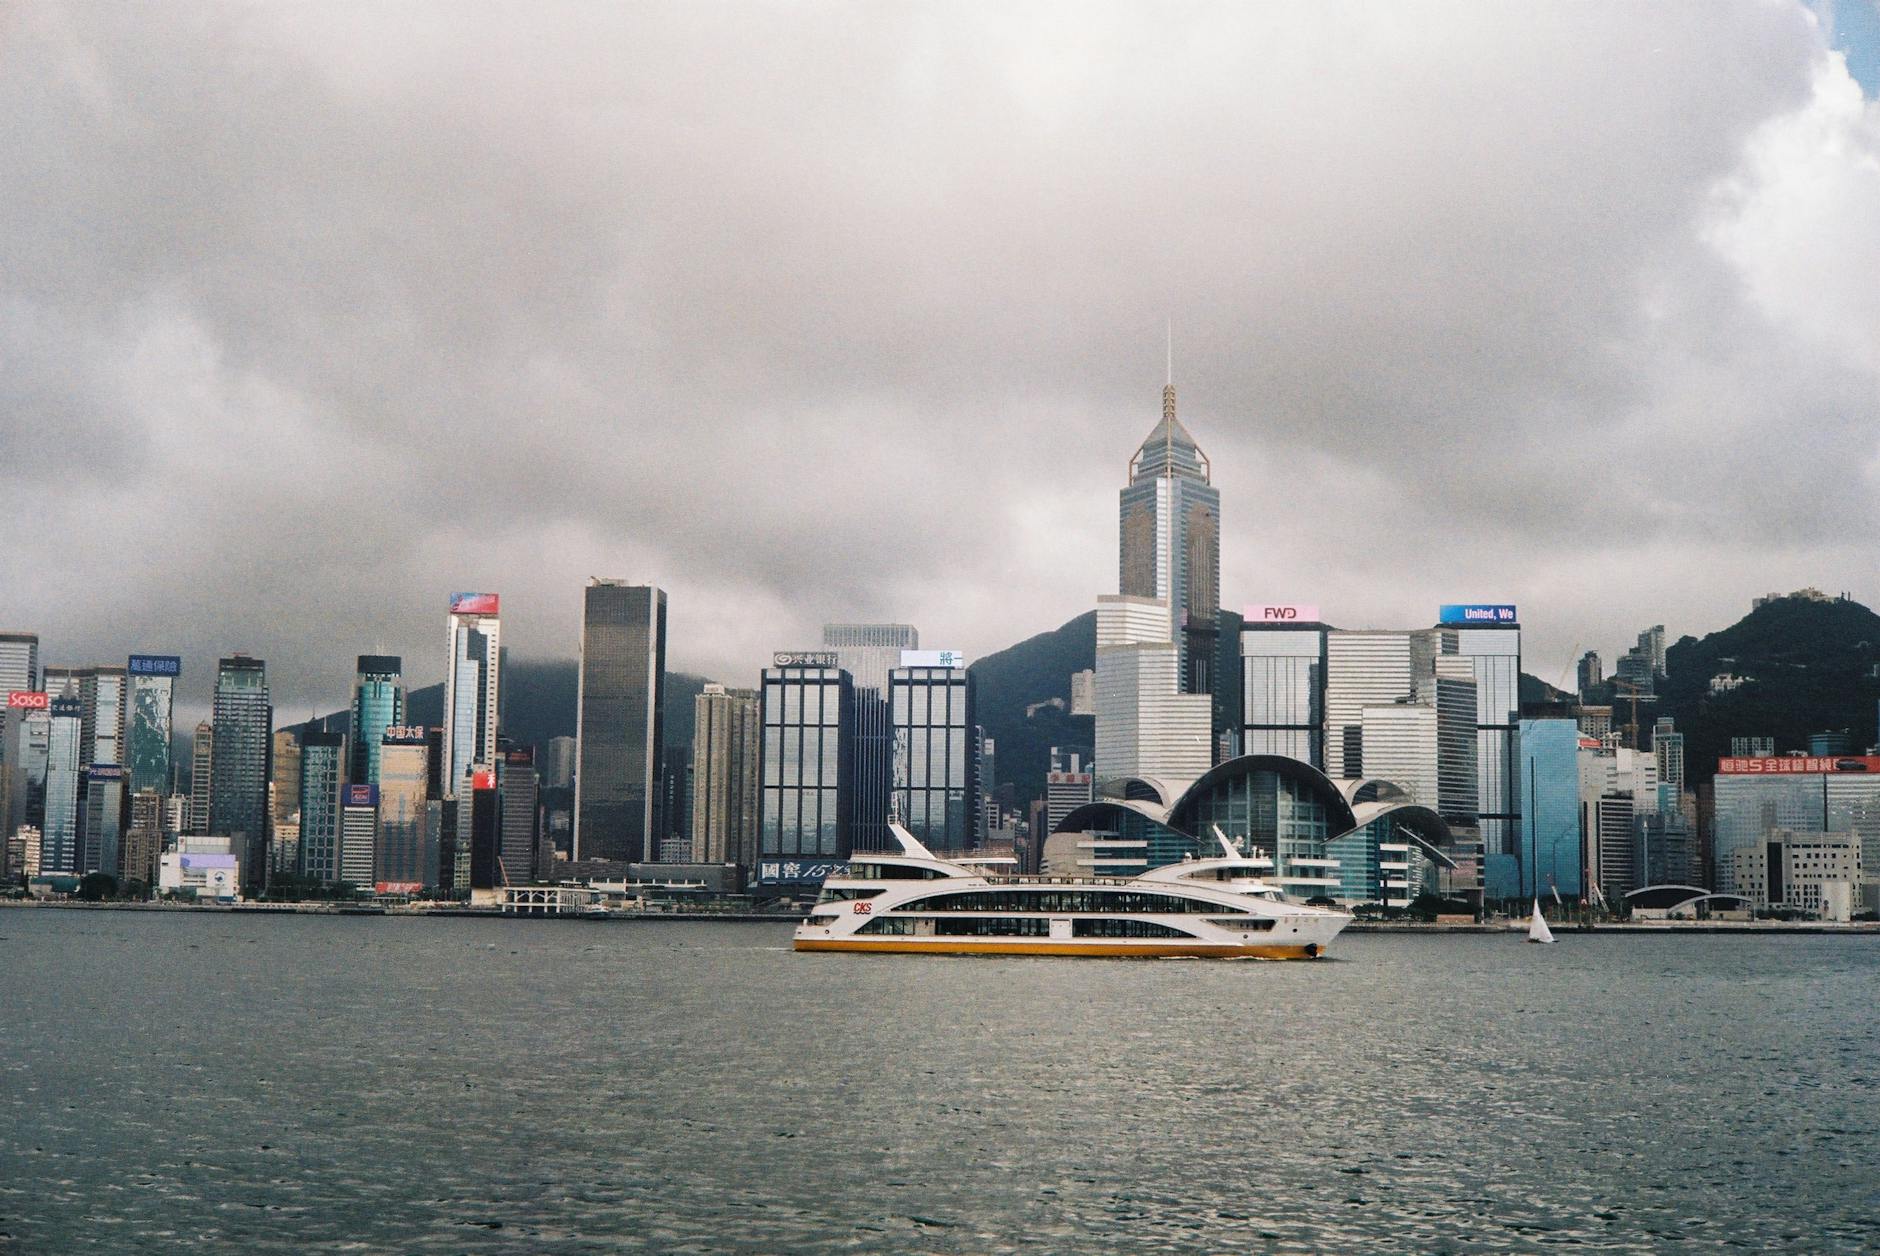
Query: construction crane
x,y
1632,691
1570,683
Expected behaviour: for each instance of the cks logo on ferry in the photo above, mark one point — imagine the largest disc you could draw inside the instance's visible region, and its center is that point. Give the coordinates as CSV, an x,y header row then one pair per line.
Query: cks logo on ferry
x,y
25,700
863,907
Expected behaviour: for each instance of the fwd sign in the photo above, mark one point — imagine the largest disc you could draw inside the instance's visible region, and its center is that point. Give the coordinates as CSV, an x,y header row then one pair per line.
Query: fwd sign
x,y
1282,613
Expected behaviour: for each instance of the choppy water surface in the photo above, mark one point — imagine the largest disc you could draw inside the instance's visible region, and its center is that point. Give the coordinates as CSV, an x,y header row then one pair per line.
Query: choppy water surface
x,y
198,1082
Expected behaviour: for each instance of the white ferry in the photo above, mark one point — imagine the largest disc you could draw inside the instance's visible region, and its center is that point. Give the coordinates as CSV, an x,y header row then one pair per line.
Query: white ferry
x,y
918,903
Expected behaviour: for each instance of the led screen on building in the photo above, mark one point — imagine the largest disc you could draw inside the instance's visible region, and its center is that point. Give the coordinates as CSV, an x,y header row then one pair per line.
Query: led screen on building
x,y
475,604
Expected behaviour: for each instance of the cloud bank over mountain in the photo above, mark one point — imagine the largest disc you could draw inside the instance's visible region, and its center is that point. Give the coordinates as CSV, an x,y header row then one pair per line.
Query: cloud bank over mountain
x,y
312,315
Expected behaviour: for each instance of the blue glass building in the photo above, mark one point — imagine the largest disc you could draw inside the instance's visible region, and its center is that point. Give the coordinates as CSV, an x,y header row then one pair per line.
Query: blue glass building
x,y
378,704
1550,854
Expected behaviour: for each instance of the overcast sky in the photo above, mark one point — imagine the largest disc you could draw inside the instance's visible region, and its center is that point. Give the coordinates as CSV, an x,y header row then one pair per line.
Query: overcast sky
x,y
312,314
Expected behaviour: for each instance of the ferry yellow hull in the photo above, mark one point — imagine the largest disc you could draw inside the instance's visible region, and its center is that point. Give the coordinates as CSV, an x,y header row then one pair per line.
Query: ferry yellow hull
x,y
1095,950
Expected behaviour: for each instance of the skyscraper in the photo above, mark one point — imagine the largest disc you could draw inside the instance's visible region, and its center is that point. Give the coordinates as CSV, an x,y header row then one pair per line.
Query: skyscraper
x,y
619,722
407,844
244,725
518,796
19,661
725,748
1147,725
472,686
153,694
378,703
805,782
1592,674
358,834
1367,669
322,767
59,835
202,777
1492,647
936,784
1170,523
1551,858
868,652
284,796
1282,672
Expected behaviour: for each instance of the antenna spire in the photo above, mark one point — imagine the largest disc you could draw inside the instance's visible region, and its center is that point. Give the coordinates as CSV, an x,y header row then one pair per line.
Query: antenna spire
x,y
1171,353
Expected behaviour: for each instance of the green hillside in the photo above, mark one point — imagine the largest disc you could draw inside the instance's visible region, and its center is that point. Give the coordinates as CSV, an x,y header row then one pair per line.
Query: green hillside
x,y
1809,666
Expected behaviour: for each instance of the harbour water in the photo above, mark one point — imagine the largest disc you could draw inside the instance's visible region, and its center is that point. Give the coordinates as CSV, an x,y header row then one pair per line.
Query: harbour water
x,y
200,1082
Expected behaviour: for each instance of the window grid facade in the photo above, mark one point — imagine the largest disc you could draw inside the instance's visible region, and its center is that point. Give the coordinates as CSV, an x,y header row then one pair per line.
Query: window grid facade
x,y
805,781
935,790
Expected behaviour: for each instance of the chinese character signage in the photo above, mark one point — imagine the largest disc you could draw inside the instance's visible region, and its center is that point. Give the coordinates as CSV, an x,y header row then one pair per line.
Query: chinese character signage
x,y
805,658
155,665
1790,765
806,871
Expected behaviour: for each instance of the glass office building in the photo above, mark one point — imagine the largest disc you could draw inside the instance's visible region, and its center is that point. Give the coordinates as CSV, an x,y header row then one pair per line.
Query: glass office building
x,y
58,850
404,817
518,790
1169,531
1282,684
935,778
1550,856
472,686
322,764
238,799
378,704
1494,653
620,725
868,652
152,701
805,782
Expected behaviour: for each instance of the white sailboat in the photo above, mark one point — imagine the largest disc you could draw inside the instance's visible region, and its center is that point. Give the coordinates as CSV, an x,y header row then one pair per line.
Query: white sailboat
x,y
1537,926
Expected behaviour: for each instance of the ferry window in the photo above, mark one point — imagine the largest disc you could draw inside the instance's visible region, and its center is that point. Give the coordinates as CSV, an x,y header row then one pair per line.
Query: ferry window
x,y
888,924
994,927
1124,929
1255,924
840,894
1045,900
890,872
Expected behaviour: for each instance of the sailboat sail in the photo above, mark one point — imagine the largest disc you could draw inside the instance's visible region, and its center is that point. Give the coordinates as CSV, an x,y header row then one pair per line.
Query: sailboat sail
x,y
1537,926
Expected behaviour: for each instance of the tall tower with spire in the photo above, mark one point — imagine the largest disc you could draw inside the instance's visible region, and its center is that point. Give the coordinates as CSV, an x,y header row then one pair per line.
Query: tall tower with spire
x,y
1170,533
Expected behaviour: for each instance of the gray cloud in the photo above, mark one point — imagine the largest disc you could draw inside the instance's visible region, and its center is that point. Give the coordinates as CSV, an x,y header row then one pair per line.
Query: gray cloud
x,y
309,316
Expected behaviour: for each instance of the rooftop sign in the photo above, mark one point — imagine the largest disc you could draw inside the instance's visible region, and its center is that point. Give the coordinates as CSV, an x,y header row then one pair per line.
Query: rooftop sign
x,y
155,665
932,658
27,700
1281,613
1473,614
805,658
475,603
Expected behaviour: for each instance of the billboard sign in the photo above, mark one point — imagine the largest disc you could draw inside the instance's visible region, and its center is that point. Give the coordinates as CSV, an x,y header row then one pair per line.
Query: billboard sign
x,y
805,658
105,772
798,871
932,658
475,604
27,700
1797,764
1471,613
483,778
1281,613
155,665
68,709
362,795
403,735
398,887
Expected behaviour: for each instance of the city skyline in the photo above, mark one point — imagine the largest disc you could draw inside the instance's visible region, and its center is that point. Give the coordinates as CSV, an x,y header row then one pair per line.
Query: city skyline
x,y
1612,362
